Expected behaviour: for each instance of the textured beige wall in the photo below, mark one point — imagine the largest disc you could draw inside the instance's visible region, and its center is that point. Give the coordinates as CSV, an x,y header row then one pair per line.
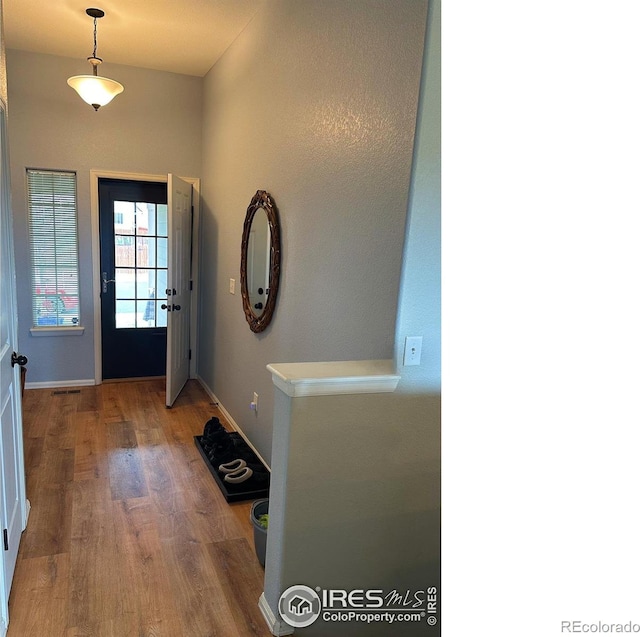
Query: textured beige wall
x,y
316,103
153,127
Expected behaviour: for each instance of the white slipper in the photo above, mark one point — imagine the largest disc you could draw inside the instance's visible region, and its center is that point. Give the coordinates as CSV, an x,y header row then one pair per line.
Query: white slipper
x,y
239,476
233,466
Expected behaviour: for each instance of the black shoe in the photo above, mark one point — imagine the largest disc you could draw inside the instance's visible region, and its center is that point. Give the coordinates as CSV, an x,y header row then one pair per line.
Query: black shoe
x,y
213,428
222,454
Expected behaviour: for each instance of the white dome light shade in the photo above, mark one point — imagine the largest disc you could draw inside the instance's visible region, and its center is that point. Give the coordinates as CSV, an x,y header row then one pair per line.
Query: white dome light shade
x,y
94,89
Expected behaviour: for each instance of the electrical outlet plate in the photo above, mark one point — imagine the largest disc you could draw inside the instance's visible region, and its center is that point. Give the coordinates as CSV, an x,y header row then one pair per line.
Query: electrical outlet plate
x,y
412,350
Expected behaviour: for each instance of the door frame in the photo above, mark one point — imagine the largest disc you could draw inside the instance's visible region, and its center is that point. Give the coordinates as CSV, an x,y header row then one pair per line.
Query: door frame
x,y
95,175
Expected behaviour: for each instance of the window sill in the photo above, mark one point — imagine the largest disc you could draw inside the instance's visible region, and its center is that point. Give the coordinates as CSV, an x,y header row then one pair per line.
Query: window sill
x,y
57,331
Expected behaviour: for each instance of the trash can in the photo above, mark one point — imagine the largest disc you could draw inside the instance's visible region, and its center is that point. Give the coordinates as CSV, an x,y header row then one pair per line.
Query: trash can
x,y
258,508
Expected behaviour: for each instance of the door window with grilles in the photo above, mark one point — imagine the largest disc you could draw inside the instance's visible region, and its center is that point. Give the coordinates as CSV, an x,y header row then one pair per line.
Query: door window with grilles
x,y
140,233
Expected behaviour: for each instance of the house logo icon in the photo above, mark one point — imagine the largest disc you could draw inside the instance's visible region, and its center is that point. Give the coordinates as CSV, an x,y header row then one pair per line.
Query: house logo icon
x,y
299,606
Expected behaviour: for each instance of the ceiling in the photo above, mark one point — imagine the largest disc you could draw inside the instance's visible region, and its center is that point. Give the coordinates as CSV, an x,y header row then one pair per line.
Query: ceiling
x,y
180,36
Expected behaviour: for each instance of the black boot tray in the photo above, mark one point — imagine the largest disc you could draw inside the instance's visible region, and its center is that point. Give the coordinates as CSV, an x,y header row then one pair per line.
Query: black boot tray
x,y
247,490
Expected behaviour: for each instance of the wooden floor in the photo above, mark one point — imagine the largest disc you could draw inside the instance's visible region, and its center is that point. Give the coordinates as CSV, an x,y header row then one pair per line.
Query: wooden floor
x,y
129,536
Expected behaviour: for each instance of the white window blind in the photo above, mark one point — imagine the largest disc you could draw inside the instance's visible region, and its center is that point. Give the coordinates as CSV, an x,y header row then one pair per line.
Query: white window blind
x,y
53,235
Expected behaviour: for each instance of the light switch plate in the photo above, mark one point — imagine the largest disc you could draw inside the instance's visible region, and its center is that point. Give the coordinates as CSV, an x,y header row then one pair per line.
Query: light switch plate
x,y
412,350
232,286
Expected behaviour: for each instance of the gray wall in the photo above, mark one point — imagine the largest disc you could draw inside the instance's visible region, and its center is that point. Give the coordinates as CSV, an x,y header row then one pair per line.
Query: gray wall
x,y
356,482
3,64
359,508
316,103
153,127
417,412
419,299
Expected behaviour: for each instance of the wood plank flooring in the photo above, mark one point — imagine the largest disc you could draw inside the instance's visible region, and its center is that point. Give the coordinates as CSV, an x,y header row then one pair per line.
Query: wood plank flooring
x,y
129,536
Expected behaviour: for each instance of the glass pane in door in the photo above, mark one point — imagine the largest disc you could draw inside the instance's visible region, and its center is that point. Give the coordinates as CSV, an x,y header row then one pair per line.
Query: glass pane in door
x,y
140,264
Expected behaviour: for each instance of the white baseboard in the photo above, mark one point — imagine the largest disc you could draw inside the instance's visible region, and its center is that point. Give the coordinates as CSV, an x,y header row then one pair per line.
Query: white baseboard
x,y
276,626
232,422
27,511
52,384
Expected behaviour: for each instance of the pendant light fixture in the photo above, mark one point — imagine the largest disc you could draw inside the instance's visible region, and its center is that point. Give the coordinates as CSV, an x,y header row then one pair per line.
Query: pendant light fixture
x,y
93,89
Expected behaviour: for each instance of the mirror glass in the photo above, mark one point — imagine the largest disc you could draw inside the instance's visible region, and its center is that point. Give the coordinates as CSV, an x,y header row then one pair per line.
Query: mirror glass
x,y
260,261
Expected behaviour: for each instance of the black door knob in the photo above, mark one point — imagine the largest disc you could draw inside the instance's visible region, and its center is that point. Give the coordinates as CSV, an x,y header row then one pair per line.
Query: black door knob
x,y
176,308
18,359
164,306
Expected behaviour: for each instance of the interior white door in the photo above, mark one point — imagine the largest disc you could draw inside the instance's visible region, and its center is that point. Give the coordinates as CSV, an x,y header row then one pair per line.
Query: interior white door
x,y
178,286
12,481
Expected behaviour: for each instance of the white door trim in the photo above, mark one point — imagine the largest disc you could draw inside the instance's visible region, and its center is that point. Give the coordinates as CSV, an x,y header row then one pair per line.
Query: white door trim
x,y
96,174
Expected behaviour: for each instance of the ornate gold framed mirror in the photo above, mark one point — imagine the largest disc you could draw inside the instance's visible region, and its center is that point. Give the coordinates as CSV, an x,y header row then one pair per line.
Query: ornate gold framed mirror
x,y
260,261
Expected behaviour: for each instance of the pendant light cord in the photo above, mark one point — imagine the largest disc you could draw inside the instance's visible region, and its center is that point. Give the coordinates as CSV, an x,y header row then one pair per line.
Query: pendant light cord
x,y
95,36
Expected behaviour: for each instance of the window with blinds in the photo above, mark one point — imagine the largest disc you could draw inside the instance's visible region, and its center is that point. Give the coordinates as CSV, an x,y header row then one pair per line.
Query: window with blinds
x,y
53,235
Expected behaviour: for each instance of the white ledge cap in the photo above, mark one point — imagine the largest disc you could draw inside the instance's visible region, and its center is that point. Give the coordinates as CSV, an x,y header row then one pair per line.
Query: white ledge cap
x,y
332,378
